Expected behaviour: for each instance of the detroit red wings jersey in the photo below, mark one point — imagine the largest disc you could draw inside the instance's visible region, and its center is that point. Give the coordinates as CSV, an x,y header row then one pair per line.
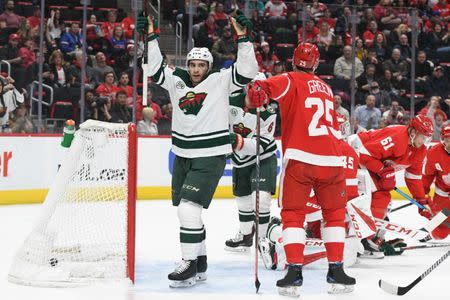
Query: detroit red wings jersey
x,y
351,170
307,110
351,160
389,147
437,166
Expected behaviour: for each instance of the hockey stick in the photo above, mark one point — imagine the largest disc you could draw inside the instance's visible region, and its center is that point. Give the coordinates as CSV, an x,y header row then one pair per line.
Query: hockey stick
x,y
401,207
401,290
421,206
144,62
423,246
310,258
257,170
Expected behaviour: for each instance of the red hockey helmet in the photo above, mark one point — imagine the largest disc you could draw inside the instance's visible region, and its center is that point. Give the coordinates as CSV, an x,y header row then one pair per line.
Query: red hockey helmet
x,y
422,124
445,131
306,56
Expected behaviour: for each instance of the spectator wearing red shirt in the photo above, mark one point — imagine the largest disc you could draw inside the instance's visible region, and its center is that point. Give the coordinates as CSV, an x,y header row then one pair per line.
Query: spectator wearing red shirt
x,y
266,58
311,33
108,88
219,14
27,53
369,35
108,27
35,19
128,25
124,85
328,19
9,19
443,9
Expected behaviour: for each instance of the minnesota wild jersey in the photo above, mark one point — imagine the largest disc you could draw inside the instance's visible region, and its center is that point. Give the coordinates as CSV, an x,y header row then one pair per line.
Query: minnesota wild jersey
x,y
244,123
200,113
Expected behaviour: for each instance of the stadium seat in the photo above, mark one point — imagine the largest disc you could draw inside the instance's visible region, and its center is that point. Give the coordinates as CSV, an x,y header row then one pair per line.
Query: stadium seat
x,y
63,109
24,8
105,3
284,51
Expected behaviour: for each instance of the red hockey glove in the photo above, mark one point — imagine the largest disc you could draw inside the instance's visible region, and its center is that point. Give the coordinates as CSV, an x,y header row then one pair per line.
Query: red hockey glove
x,y
387,178
427,211
256,96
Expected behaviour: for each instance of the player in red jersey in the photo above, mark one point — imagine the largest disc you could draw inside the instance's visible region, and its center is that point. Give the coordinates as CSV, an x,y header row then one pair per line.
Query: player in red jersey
x,y
312,158
437,169
383,152
273,254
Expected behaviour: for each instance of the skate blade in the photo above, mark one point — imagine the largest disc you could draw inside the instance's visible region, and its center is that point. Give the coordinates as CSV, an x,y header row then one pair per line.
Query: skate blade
x,y
182,283
289,291
336,288
371,255
201,276
240,249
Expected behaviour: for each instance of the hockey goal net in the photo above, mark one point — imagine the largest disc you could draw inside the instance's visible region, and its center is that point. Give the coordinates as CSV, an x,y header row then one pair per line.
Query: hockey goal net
x,y
86,230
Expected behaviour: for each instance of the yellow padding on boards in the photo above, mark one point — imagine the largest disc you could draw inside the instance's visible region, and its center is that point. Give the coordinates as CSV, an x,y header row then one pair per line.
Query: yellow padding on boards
x,y
143,193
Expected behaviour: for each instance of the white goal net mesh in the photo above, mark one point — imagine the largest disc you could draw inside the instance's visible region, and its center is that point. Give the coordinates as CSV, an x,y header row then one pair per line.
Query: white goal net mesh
x,y
81,234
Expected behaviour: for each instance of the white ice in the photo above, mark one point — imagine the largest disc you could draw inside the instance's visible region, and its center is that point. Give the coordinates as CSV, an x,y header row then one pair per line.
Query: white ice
x,y
230,275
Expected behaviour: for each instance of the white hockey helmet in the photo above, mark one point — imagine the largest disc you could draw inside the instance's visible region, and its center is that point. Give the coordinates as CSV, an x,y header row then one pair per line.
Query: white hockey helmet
x,y
344,125
202,53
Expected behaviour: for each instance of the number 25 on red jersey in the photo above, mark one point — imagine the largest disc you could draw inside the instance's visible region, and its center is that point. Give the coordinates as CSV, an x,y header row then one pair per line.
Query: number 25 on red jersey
x,y
314,129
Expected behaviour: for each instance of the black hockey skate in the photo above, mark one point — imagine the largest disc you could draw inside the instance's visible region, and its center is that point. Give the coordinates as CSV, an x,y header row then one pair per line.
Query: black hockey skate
x,y
340,282
202,266
268,253
292,281
184,275
240,243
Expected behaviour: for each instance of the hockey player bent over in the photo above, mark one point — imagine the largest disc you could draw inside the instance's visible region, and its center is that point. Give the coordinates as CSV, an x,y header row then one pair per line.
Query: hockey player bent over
x,y
243,127
383,152
438,167
312,159
200,135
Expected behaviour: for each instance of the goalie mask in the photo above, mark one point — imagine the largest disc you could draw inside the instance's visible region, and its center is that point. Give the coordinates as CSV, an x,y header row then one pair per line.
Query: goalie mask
x,y
344,126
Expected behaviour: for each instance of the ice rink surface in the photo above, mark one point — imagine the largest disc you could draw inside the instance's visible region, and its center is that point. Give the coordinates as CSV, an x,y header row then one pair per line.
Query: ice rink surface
x,y
230,275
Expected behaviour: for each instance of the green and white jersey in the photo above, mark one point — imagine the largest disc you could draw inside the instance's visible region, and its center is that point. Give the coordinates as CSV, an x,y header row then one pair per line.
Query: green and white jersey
x,y
200,113
244,123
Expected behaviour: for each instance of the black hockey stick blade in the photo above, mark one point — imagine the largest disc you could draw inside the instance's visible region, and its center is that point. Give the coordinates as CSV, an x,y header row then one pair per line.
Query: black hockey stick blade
x,y
257,285
401,290
401,207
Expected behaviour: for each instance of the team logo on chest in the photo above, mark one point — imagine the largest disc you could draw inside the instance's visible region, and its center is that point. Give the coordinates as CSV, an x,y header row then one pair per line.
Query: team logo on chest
x,y
192,103
241,129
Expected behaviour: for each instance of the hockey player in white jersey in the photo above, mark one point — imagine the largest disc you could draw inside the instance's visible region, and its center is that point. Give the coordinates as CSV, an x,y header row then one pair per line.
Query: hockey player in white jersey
x,y
200,133
243,159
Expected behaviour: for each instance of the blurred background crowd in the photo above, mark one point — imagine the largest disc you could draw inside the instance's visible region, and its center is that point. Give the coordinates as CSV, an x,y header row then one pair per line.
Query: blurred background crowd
x,y
401,58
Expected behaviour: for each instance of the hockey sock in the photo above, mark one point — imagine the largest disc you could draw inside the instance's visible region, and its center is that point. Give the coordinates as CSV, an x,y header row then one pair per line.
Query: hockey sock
x,y
264,211
334,233
192,231
246,214
294,235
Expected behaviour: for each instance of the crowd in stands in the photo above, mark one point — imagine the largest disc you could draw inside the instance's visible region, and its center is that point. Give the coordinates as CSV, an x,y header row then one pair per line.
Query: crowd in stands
x,y
382,46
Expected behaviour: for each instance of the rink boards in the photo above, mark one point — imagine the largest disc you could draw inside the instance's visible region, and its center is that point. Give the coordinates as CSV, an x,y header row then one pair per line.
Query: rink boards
x,y
28,164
